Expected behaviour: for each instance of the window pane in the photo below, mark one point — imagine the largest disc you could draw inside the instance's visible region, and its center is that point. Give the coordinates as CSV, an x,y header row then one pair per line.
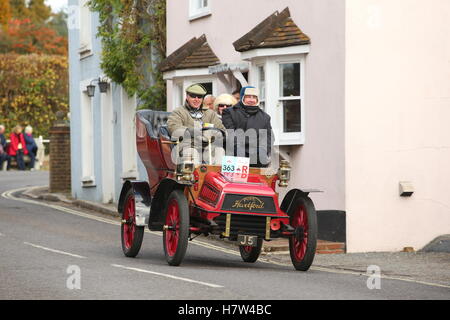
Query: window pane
x,y
291,116
262,83
262,105
179,88
208,87
290,79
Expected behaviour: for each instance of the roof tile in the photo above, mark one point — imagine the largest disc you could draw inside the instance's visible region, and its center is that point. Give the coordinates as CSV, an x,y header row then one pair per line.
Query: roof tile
x,y
196,53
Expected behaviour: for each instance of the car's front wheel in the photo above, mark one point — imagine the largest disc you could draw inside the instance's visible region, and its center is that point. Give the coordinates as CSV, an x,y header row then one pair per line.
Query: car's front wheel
x,y
176,229
302,245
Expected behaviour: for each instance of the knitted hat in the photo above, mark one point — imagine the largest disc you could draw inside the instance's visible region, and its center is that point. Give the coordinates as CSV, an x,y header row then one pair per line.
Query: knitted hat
x,y
196,89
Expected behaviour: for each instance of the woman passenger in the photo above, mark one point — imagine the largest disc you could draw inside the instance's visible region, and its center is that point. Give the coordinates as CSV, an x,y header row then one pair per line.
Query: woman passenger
x,y
222,102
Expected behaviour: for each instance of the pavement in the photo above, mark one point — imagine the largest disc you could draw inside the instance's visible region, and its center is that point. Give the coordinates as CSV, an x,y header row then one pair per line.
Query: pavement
x,y
430,266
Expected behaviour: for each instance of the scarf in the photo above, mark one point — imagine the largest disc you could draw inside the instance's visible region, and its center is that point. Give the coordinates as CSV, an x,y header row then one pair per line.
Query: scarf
x,y
251,110
196,114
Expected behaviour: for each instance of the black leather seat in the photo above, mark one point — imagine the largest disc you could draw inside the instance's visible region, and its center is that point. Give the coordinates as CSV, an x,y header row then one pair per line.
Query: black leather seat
x,y
155,122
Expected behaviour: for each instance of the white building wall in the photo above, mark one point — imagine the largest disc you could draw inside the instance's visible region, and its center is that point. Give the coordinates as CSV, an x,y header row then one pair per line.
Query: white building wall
x,y
397,110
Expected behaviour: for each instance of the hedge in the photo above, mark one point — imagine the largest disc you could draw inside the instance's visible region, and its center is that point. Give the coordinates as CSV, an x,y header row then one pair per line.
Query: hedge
x,y
32,88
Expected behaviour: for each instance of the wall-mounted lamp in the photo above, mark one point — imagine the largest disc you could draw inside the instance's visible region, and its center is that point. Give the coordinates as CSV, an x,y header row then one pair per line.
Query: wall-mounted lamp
x,y
90,90
102,84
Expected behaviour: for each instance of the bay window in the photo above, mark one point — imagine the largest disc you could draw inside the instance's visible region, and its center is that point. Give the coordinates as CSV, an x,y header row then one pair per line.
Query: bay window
x,y
280,79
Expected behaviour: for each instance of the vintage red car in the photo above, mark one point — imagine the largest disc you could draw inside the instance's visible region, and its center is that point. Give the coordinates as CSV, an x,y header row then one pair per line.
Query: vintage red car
x,y
185,200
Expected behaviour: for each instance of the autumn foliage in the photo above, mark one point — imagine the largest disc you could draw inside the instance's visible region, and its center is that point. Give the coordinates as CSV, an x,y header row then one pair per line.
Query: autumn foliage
x,y
24,36
32,88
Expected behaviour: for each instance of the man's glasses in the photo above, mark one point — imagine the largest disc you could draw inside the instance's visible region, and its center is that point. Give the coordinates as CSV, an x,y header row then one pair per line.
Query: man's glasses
x,y
193,96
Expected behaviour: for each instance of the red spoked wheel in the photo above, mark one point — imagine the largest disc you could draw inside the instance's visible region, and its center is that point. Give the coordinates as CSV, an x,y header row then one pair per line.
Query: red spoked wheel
x,y
249,253
302,245
132,235
176,229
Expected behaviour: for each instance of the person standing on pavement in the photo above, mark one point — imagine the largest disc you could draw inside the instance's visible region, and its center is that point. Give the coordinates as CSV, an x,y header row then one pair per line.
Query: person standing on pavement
x,y
17,148
31,146
3,145
254,124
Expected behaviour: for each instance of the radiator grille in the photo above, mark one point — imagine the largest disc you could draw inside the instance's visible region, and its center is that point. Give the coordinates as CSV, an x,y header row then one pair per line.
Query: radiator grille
x,y
243,224
209,194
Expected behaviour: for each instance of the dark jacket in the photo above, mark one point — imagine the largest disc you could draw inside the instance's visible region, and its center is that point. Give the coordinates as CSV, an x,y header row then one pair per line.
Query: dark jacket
x,y
3,143
30,143
237,117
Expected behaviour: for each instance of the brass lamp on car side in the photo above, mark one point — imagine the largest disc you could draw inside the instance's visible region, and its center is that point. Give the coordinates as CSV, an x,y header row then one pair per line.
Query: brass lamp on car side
x,y
185,171
284,173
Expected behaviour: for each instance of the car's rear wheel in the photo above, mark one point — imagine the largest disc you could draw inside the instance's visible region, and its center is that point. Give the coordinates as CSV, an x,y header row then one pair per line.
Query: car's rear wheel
x,y
249,253
131,234
176,230
302,245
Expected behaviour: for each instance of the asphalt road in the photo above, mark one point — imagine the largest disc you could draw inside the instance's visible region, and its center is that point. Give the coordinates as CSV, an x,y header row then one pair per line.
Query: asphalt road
x,y
65,253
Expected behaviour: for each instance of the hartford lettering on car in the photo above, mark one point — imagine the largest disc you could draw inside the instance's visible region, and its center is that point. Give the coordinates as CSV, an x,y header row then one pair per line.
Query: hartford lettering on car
x,y
248,203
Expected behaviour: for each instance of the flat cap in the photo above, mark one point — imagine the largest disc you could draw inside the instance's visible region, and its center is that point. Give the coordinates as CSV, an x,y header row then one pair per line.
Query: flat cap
x,y
196,89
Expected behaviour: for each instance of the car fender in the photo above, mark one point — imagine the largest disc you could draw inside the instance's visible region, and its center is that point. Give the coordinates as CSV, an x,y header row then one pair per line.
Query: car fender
x,y
165,187
290,197
142,198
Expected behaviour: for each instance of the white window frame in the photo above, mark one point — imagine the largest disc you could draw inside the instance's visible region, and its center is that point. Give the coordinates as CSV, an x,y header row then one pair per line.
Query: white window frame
x,y
185,82
107,145
196,11
85,34
178,93
128,135
87,136
263,91
290,138
271,60
193,80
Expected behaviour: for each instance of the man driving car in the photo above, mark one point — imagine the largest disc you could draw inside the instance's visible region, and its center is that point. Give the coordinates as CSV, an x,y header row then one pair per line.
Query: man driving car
x,y
188,120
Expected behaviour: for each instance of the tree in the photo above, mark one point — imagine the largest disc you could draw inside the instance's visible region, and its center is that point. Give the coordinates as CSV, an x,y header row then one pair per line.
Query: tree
x,y
5,12
32,88
24,37
58,22
39,12
18,9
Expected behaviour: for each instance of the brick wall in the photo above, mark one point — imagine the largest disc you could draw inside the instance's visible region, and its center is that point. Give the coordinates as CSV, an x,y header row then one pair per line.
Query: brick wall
x,y
60,159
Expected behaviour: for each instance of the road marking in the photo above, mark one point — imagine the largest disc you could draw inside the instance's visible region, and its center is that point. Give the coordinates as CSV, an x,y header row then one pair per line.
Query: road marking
x,y
8,195
168,276
54,250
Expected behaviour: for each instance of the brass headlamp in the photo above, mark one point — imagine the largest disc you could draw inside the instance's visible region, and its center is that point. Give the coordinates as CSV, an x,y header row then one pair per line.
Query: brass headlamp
x,y
284,173
185,171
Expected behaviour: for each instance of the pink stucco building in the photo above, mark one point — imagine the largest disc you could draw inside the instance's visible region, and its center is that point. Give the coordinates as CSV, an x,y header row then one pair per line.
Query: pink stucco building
x,y
359,96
